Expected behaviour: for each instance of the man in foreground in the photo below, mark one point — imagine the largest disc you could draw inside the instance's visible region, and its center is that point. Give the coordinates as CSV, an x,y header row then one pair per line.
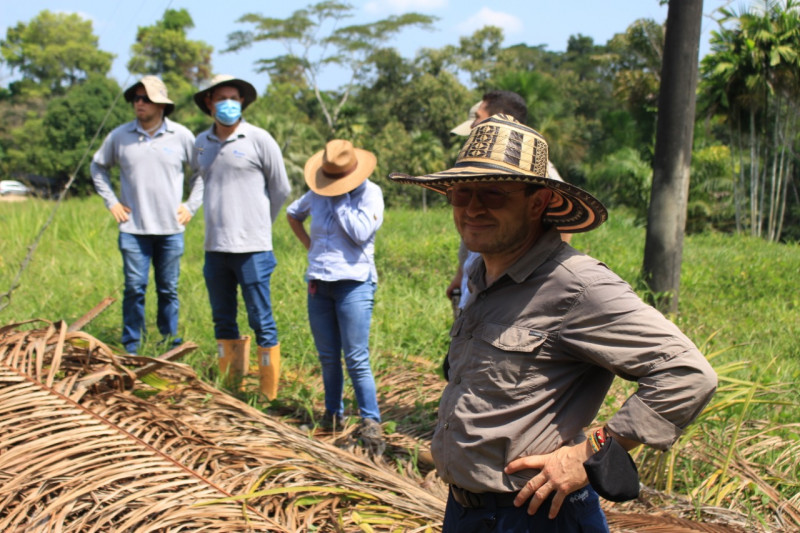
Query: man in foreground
x,y
493,103
152,152
534,352
245,187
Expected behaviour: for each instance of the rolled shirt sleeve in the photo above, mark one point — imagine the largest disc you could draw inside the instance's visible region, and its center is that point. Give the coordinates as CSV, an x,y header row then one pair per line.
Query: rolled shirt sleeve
x,y
614,329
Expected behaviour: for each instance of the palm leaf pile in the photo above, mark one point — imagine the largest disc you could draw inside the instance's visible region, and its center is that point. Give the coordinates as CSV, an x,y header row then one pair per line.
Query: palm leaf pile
x,y
95,441
85,446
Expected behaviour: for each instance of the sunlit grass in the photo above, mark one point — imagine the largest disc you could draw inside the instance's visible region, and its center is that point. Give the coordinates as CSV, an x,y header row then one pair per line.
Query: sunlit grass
x,y
738,301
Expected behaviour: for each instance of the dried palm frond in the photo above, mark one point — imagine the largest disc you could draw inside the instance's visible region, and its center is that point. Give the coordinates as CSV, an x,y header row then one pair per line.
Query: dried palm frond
x,y
81,451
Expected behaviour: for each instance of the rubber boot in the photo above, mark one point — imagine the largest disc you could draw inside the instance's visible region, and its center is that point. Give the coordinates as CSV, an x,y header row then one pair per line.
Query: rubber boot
x,y
269,369
234,360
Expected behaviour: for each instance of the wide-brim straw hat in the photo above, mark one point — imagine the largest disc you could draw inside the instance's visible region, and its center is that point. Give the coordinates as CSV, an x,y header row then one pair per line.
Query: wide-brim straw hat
x,y
339,168
500,149
246,91
465,127
156,91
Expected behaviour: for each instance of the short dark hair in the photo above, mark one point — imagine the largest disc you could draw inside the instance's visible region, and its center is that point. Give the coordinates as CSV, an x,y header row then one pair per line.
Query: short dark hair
x,y
506,102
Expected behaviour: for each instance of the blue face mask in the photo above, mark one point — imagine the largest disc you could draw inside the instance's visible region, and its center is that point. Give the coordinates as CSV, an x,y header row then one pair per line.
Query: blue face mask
x,y
228,112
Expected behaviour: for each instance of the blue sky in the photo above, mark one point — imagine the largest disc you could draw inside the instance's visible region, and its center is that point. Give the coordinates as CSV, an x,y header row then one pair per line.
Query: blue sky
x,y
533,22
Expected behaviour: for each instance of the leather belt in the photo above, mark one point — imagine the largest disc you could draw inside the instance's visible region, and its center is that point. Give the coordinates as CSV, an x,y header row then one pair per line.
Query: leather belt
x,y
482,500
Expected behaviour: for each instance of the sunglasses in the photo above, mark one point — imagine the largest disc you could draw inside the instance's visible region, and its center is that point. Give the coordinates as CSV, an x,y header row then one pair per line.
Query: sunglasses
x,y
490,197
141,97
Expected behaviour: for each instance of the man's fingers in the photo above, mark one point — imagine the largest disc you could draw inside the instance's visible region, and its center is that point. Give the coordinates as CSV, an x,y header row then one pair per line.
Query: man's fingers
x,y
538,499
525,463
555,505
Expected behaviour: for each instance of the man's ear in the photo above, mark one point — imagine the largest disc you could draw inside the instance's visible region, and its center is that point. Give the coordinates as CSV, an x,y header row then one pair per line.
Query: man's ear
x,y
539,202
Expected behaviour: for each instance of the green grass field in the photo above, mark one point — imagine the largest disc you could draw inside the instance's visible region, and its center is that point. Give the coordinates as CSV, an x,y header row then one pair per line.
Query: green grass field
x,y
739,302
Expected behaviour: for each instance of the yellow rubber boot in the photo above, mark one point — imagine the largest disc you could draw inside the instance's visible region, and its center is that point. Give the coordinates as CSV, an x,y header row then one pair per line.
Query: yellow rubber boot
x,y
234,360
269,370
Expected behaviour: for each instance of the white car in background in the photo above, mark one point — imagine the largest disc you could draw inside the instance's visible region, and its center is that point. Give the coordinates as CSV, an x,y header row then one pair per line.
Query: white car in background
x,y
13,187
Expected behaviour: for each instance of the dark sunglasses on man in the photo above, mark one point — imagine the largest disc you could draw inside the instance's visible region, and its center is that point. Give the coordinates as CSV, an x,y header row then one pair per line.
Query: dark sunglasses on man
x,y
489,197
142,97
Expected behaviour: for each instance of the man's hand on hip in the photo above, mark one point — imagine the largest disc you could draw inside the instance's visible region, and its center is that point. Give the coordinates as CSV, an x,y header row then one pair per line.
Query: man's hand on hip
x,y
120,212
561,472
184,216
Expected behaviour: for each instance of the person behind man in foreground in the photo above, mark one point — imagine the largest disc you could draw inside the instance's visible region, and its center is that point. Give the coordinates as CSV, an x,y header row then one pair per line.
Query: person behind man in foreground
x,y
346,210
493,103
534,354
245,187
152,153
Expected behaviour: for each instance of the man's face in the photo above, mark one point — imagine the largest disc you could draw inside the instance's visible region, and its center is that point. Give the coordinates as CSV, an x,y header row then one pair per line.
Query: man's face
x,y
481,114
145,110
512,226
220,94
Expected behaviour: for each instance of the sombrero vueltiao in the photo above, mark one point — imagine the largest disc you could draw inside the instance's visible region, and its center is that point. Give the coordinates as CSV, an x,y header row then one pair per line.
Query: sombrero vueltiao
x,y
500,149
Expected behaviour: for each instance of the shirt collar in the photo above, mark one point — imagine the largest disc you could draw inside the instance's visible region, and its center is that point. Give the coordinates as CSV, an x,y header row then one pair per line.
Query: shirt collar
x,y
241,131
544,247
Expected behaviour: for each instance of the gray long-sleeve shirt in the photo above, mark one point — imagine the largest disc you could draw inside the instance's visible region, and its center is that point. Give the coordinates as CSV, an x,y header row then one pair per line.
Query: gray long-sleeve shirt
x,y
533,355
151,176
245,187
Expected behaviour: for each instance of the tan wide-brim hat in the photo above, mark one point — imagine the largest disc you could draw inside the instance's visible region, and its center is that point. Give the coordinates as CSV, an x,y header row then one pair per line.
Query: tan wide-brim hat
x,y
339,168
464,128
156,91
246,91
500,149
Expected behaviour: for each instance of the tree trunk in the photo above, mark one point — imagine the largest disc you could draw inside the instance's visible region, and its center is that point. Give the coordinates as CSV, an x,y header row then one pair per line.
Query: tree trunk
x,y
666,219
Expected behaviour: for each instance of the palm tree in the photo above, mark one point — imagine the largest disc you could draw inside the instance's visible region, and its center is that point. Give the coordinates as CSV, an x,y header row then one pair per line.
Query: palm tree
x,y
752,78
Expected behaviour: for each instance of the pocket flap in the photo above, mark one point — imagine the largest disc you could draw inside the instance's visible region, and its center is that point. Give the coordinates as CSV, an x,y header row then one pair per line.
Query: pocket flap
x,y
512,338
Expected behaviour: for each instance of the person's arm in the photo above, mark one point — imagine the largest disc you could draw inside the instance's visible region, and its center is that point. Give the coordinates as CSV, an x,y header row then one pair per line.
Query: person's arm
x,y
456,282
102,162
612,328
359,215
277,181
187,209
299,230
561,472
297,212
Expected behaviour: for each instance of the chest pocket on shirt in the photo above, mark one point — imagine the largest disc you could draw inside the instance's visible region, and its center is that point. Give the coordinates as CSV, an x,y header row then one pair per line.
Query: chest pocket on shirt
x,y
506,365
512,338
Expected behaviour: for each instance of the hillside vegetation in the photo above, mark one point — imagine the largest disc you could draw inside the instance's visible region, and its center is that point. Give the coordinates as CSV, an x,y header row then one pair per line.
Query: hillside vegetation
x,y
739,303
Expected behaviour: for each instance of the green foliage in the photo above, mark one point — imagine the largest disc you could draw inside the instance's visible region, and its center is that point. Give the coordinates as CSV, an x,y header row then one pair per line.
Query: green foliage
x,y
163,50
67,135
711,190
314,31
622,179
53,52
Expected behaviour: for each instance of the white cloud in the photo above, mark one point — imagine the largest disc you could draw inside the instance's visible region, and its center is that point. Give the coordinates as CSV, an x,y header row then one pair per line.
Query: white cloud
x,y
487,17
403,6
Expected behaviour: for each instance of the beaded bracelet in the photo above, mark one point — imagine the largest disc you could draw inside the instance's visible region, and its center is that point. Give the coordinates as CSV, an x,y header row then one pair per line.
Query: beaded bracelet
x,y
597,440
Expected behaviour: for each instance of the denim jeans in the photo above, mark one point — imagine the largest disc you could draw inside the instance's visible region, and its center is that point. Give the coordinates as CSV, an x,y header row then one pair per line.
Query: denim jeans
x,y
340,313
580,513
252,271
138,251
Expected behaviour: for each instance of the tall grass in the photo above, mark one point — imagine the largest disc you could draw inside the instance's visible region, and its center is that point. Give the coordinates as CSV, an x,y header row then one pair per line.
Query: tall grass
x,y
739,301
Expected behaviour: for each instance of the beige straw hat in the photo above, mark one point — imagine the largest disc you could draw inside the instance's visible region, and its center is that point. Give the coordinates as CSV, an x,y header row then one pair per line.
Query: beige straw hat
x,y
339,168
465,127
246,91
156,91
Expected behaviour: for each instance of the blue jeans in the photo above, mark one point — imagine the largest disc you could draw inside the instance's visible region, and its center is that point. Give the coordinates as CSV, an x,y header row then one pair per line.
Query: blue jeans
x,y
580,513
340,313
138,251
252,271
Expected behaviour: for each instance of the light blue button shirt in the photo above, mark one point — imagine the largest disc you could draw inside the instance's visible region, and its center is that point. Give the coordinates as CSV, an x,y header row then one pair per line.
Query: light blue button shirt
x,y
342,232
